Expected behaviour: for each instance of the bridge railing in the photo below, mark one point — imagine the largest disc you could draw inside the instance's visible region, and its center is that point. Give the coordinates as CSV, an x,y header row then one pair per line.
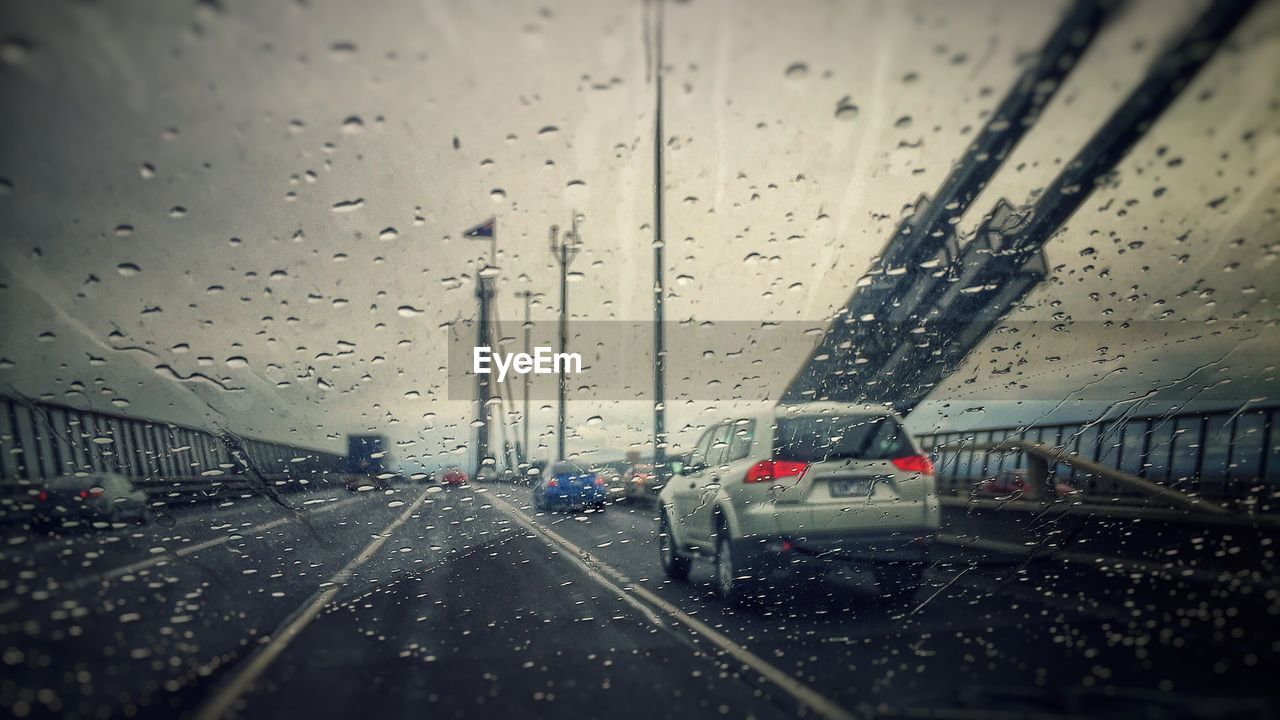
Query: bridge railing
x,y
1042,462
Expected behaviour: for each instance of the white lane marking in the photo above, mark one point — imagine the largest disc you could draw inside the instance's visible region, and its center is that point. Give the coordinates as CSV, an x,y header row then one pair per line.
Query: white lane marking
x,y
804,694
186,550
220,702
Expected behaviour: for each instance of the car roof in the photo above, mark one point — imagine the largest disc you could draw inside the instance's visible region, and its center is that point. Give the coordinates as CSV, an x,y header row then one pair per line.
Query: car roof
x,y
810,410
832,408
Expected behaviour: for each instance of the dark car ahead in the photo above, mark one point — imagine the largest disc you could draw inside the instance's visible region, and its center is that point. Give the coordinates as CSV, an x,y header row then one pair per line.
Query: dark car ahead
x,y
95,499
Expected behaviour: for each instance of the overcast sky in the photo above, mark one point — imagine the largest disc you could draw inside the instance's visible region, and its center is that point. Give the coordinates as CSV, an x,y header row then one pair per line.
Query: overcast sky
x,y
271,195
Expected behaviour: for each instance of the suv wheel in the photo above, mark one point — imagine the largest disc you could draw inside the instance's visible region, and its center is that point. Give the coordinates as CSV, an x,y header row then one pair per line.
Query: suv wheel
x,y
674,564
730,585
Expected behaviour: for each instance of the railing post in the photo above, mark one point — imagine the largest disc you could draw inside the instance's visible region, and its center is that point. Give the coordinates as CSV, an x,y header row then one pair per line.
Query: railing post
x,y
1039,487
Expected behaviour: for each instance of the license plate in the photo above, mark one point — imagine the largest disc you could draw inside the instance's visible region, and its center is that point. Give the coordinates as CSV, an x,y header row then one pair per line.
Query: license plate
x,y
850,487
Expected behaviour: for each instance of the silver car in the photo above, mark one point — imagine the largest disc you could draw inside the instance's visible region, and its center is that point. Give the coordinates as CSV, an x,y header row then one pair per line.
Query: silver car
x,y
98,498
815,485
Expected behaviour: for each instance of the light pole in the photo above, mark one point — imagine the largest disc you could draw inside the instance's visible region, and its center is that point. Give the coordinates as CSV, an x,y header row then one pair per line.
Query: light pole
x,y
527,296
564,250
659,341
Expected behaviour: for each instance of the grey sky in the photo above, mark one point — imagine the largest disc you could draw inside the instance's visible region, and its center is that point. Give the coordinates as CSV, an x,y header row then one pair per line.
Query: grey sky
x,y
345,148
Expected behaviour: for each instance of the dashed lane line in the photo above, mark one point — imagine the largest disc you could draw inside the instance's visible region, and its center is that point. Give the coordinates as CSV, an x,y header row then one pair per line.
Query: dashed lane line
x,y
221,700
637,597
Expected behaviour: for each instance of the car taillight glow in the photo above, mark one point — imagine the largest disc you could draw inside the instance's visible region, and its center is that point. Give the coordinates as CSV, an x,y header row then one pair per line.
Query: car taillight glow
x,y
553,483
599,481
43,495
914,463
767,470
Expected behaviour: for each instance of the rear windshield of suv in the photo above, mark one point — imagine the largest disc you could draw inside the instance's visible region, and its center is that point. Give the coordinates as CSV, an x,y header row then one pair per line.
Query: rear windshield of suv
x,y
814,438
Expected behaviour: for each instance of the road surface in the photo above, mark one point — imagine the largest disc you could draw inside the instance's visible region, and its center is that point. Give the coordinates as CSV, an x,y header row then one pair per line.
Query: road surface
x,y
463,602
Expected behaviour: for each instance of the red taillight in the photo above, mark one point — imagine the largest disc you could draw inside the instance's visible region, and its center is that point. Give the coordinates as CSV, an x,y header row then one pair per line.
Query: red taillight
x,y
767,470
599,482
914,463
553,483
43,496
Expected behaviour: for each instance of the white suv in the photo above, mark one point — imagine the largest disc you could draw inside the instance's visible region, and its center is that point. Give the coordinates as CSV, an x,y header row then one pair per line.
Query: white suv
x,y
803,485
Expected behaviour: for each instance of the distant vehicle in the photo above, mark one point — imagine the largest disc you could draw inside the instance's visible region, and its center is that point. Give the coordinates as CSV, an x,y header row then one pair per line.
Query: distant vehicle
x,y
355,483
104,497
813,485
454,476
1013,484
614,485
568,485
367,454
640,483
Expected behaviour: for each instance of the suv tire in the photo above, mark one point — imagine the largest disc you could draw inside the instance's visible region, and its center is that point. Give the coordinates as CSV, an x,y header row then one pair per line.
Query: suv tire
x,y
675,564
731,586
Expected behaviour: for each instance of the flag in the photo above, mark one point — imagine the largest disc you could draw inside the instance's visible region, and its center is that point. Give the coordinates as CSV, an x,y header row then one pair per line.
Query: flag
x,y
483,230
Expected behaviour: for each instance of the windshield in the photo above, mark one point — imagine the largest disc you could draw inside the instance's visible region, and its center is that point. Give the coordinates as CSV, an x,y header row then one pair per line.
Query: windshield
x,y
642,359
839,437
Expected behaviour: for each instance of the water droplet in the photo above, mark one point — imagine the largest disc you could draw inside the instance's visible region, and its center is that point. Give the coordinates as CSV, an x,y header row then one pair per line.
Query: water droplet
x,y
352,125
797,70
408,311
903,122
548,131
498,194
127,269
177,211
147,171
124,230
389,233
348,205
15,51
237,361
845,109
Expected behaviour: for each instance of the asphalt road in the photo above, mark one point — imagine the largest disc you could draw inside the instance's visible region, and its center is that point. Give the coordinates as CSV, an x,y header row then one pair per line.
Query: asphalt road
x,y
462,602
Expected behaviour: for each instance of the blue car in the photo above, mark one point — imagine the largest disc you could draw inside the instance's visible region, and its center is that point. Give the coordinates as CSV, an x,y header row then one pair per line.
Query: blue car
x,y
566,485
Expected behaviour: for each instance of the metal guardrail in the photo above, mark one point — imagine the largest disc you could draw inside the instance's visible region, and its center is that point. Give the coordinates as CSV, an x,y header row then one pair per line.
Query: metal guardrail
x,y
1040,486
18,499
